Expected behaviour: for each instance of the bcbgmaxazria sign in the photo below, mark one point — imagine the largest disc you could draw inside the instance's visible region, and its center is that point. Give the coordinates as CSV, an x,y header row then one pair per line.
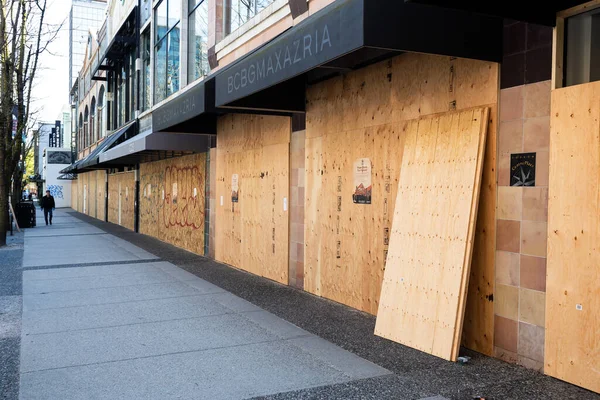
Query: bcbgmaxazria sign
x,y
179,109
329,34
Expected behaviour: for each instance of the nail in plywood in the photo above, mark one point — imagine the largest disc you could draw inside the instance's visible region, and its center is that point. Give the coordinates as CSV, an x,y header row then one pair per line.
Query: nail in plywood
x,y
178,217
572,345
426,277
253,233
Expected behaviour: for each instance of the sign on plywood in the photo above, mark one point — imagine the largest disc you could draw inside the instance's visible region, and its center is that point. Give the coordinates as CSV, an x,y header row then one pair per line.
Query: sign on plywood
x,y
235,188
362,181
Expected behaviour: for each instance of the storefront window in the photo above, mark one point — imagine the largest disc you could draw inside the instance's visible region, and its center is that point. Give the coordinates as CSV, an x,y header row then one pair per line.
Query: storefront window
x,y
146,77
166,50
198,40
238,12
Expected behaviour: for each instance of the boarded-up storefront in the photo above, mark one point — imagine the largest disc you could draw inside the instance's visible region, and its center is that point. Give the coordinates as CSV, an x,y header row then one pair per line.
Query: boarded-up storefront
x,y
172,201
252,221
354,143
121,198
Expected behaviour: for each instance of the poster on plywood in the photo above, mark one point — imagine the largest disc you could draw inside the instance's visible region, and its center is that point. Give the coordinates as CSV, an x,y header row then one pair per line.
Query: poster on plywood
x,y
362,181
235,188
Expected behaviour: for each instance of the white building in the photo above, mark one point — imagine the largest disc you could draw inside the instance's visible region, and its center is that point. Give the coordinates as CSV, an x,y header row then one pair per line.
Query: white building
x,y
54,160
85,15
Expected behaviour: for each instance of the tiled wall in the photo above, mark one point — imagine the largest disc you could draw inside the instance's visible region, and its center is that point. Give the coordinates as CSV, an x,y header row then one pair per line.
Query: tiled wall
x,y
522,213
296,275
522,217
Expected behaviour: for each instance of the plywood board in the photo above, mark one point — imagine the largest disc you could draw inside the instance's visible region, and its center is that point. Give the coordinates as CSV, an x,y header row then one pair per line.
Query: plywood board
x,y
172,201
426,278
252,233
572,345
74,194
121,189
100,195
92,194
364,114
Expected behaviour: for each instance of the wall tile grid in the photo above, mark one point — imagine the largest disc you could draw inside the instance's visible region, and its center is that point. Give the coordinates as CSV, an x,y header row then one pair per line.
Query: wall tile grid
x,y
522,217
296,266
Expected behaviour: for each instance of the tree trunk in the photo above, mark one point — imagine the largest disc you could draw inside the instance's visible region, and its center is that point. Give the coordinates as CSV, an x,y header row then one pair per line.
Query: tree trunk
x,y
4,222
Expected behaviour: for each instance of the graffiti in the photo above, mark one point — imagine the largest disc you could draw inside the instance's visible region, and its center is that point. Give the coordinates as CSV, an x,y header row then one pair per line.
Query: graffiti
x,y
56,191
181,205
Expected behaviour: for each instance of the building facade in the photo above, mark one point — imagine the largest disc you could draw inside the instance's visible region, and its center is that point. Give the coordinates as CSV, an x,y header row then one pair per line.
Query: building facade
x,y
280,137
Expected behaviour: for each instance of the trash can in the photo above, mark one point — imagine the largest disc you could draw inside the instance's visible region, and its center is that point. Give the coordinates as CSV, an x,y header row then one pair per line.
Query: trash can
x,y
25,214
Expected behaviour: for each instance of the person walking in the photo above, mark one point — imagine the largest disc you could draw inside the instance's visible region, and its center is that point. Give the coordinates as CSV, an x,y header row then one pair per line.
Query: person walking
x,y
48,205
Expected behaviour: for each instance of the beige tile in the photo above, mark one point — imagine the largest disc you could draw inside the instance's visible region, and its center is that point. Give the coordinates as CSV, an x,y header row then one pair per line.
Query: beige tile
x,y
510,137
511,103
534,238
535,204
508,236
532,306
506,302
507,268
533,273
505,355
542,164
505,333
536,99
504,170
510,200
531,341
536,134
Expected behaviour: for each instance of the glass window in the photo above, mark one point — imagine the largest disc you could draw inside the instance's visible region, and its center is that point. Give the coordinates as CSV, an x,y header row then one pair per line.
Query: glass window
x,y
173,62
160,22
198,40
101,111
166,50
582,48
238,12
174,12
122,91
160,71
146,77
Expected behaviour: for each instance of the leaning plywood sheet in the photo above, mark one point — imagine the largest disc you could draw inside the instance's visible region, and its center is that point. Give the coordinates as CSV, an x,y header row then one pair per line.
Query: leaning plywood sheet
x,y
426,277
572,349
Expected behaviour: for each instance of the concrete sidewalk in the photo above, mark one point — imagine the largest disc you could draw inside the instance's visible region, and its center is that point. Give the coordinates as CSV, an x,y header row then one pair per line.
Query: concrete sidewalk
x,y
111,314
104,319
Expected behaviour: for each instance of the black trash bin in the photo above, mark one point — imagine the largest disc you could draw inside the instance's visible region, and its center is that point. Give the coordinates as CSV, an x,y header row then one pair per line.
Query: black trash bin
x,y
25,214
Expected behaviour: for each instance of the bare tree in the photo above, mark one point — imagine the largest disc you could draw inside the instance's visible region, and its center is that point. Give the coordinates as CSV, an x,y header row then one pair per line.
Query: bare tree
x,y
23,37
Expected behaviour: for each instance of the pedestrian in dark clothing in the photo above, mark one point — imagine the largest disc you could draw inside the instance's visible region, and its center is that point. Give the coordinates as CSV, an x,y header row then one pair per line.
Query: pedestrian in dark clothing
x,y
48,205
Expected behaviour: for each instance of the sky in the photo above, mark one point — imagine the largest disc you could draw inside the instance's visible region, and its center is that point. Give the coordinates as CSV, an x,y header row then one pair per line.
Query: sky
x,y
51,89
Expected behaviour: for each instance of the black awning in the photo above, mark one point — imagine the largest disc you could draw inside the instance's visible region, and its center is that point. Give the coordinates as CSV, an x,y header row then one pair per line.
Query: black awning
x,y
542,12
155,145
92,160
192,103
349,34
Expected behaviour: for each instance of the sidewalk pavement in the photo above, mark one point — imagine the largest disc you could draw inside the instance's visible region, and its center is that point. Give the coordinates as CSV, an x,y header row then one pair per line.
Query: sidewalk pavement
x,y
110,314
